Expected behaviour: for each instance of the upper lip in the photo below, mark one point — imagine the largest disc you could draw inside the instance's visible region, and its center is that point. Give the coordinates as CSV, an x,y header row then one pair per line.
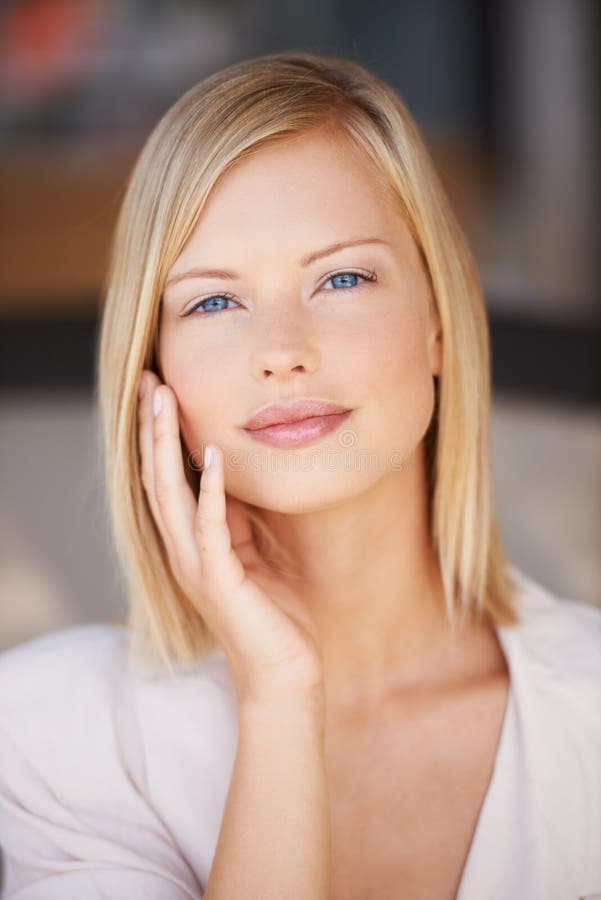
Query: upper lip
x,y
283,413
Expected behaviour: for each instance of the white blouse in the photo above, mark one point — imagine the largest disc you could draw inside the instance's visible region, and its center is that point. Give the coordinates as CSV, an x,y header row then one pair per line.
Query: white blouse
x,y
113,783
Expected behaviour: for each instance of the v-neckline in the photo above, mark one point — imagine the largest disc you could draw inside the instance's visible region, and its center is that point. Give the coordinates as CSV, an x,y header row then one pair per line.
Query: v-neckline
x,y
483,832
505,635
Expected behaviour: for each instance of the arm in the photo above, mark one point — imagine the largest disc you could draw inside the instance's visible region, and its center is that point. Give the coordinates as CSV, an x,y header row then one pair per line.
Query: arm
x,y
274,838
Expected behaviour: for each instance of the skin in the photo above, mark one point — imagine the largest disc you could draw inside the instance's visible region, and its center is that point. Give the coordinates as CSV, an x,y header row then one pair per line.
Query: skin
x,y
358,533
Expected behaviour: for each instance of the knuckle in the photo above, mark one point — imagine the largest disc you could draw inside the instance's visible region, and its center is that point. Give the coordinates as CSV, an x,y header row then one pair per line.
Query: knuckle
x,y
205,529
158,433
204,519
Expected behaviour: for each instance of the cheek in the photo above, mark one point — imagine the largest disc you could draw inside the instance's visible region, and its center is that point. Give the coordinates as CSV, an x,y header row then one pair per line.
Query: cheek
x,y
395,370
199,377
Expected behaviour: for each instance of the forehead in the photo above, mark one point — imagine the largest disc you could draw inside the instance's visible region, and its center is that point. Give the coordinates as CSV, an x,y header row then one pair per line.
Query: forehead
x,y
301,191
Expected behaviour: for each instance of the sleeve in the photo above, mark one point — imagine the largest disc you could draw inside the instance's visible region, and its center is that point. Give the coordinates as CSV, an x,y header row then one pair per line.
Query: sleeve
x,y
74,820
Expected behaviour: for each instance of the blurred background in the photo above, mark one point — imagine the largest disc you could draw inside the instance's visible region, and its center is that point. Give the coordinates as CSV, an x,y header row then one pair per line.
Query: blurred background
x,y
507,98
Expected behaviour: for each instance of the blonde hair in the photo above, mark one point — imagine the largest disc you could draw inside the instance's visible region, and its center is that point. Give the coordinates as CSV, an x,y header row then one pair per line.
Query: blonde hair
x,y
217,122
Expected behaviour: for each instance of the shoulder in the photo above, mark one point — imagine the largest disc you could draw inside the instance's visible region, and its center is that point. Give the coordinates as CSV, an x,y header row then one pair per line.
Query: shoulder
x,y
95,647
80,687
90,751
57,711
81,661
553,757
555,653
73,702
557,631
90,662
51,679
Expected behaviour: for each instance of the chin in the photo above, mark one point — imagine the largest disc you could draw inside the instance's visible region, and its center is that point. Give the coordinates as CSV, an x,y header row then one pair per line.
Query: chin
x,y
302,491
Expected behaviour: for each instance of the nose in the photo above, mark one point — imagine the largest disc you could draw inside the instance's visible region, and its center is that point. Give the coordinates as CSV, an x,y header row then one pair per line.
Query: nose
x,y
285,350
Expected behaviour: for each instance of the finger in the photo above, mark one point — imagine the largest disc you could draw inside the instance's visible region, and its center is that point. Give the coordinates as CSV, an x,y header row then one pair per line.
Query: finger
x,y
146,444
173,494
221,568
241,534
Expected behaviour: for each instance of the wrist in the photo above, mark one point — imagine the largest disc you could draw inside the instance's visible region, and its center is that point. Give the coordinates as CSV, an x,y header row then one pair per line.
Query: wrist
x,y
285,708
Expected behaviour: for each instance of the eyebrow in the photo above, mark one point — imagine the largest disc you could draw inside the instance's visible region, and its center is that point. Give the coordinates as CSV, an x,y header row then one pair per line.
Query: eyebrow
x,y
305,261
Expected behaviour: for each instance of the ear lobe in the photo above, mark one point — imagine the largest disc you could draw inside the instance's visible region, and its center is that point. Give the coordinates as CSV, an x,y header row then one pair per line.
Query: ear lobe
x,y
434,337
436,353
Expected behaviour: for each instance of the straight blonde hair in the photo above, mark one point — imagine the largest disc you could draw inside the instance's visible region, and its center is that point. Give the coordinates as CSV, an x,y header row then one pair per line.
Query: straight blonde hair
x,y
224,118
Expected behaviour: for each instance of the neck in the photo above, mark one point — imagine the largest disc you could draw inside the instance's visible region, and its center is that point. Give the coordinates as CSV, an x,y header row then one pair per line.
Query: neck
x,y
366,569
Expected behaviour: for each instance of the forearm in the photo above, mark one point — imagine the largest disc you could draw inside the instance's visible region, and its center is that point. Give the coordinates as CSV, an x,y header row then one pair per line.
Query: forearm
x,y
274,842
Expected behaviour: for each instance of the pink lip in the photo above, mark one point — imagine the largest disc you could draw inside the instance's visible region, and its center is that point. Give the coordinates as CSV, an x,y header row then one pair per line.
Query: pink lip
x,y
302,431
284,413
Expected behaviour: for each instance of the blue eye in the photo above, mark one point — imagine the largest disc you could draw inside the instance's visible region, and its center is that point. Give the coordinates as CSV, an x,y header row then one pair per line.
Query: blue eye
x,y
210,301
216,298
350,275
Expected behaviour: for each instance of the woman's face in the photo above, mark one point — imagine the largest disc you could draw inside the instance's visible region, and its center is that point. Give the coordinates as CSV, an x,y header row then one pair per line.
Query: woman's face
x,y
283,328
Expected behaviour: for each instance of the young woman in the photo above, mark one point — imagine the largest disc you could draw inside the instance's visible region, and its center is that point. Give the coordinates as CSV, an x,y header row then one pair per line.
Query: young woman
x,y
331,684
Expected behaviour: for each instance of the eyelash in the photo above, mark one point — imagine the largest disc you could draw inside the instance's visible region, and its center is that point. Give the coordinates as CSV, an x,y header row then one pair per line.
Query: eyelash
x,y
371,276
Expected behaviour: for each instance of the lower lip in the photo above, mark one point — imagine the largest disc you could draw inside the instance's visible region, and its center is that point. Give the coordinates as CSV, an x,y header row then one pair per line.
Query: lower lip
x,y
296,434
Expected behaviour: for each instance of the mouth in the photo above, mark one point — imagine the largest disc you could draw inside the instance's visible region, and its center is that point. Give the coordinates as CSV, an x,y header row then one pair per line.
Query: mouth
x,y
299,432
294,411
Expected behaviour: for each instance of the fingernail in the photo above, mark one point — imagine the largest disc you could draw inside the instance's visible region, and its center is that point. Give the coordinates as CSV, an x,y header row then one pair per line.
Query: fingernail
x,y
157,402
207,456
142,388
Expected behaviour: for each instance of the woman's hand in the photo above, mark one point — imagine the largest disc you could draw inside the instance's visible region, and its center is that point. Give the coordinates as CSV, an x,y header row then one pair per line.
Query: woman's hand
x,y
264,628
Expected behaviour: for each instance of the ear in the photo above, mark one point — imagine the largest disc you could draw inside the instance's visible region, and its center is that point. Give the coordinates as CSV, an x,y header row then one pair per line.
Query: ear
x,y
434,341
